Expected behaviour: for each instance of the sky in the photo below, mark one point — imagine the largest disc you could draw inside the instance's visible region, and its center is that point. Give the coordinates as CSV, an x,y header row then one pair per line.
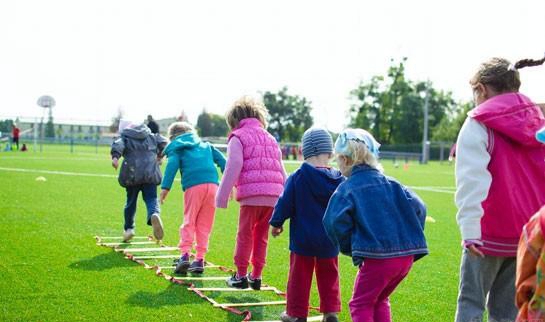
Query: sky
x,y
162,57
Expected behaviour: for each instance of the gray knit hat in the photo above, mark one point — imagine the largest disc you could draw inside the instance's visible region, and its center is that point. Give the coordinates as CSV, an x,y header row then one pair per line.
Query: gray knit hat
x,y
316,141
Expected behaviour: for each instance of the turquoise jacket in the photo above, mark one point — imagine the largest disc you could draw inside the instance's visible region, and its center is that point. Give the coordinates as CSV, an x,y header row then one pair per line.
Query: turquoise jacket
x,y
194,159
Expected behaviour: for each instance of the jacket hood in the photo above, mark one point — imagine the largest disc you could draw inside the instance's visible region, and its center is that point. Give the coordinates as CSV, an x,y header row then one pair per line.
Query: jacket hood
x,y
186,140
139,132
322,182
513,115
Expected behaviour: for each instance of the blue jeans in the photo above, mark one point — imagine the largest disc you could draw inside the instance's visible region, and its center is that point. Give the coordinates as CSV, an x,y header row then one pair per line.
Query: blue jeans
x,y
149,194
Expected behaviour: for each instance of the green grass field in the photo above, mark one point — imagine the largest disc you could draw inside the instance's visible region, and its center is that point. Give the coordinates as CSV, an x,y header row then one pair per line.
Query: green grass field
x,y
51,269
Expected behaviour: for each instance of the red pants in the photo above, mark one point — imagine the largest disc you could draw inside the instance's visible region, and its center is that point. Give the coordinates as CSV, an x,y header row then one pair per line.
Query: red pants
x,y
252,239
300,281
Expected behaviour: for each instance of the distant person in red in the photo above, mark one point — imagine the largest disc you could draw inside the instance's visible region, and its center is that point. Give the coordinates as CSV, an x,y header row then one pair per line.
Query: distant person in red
x,y
452,153
15,135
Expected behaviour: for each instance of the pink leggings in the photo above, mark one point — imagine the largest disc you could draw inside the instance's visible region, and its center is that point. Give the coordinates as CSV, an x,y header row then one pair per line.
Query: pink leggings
x,y
376,280
199,210
252,239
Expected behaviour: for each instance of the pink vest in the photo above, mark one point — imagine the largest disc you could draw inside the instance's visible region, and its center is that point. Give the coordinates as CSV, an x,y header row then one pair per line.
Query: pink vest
x,y
262,171
517,167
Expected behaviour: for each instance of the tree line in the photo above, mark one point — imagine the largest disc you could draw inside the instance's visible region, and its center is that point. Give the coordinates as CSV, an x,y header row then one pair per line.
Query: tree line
x,y
390,106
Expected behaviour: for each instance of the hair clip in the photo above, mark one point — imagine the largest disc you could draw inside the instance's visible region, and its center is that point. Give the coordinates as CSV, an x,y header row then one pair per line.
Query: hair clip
x,y
512,68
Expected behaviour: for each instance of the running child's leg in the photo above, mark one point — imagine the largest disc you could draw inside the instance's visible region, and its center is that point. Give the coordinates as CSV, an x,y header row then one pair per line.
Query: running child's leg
x,y
205,219
327,279
260,233
130,206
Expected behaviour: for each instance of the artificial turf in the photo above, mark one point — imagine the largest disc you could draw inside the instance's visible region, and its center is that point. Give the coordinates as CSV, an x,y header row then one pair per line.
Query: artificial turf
x,y
51,269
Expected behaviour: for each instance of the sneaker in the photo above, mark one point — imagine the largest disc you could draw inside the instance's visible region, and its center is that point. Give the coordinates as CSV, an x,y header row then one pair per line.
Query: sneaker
x,y
182,265
237,282
128,235
157,225
330,317
284,317
254,283
197,266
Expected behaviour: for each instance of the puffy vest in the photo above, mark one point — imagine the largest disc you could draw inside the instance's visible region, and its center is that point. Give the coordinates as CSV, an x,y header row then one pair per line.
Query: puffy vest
x,y
262,171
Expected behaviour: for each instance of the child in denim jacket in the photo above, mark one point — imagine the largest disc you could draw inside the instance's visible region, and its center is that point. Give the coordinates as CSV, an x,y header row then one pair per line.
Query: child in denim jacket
x,y
375,220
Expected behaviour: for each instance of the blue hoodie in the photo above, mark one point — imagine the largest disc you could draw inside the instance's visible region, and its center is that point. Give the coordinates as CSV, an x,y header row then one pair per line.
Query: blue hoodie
x,y
195,159
304,201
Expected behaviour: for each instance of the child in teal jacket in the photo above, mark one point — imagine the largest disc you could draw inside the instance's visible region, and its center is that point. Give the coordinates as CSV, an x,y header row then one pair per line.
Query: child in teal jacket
x,y
196,160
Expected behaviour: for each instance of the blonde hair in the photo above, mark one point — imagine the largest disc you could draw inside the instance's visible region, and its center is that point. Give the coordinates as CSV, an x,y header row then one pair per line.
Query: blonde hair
x,y
360,154
501,75
246,107
178,128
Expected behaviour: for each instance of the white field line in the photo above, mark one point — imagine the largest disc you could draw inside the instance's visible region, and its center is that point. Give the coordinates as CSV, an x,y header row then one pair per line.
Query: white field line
x,y
433,189
440,189
64,173
4,157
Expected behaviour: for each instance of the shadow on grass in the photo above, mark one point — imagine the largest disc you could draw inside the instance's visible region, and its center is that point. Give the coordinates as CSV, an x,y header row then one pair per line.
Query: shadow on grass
x,y
102,262
171,296
257,311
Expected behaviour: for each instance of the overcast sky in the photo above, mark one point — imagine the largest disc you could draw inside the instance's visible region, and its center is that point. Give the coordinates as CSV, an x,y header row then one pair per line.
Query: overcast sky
x,y
161,57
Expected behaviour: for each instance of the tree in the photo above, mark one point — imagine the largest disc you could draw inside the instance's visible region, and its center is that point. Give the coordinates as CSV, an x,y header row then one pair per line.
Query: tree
x,y
49,126
115,120
204,124
219,125
449,127
6,126
391,106
289,114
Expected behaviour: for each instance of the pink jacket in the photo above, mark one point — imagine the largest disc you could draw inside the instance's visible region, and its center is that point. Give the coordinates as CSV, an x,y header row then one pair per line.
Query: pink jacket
x,y
517,167
262,172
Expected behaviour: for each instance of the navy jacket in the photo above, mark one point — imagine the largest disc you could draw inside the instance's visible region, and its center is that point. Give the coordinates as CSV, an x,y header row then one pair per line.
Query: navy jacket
x,y
374,216
304,201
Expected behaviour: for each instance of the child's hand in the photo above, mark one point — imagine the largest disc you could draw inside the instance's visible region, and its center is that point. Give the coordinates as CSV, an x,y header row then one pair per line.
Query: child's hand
x,y
159,160
276,231
163,195
233,194
115,163
475,251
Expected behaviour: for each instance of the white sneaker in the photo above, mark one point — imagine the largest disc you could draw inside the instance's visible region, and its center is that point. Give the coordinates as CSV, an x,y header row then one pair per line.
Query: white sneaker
x,y
128,235
157,225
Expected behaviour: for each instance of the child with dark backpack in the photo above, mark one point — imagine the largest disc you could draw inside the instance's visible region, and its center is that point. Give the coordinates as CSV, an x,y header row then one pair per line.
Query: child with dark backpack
x,y
141,151
303,202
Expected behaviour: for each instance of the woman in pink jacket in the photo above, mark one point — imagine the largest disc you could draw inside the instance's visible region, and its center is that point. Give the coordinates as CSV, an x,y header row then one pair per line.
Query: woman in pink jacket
x,y
254,167
500,170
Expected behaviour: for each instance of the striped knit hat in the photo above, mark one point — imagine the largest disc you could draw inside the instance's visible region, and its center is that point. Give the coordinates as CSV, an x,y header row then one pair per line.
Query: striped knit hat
x,y
316,141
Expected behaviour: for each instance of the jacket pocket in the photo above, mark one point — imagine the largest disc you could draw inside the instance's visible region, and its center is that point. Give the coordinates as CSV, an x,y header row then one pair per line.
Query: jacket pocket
x,y
127,174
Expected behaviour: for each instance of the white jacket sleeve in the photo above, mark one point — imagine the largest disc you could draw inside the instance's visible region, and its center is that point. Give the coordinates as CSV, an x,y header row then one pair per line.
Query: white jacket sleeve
x,y
472,177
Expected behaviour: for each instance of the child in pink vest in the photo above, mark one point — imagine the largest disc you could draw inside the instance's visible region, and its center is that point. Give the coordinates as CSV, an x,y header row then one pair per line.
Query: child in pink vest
x,y
254,167
499,185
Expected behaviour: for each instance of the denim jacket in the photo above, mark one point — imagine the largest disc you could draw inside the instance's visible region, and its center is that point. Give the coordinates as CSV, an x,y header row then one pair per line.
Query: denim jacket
x,y
374,216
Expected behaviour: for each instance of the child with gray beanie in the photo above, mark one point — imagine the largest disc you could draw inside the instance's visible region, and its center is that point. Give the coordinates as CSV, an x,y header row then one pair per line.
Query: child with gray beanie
x,y
304,201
